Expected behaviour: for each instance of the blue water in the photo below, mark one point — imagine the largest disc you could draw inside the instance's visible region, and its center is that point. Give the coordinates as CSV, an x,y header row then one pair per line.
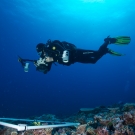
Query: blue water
x,y
64,90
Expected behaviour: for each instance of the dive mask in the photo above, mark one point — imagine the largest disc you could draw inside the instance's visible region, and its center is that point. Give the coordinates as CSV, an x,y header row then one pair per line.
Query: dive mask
x,y
40,53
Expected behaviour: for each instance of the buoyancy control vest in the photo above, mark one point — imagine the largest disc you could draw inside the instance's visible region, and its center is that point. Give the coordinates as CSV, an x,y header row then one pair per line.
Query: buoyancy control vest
x,y
56,48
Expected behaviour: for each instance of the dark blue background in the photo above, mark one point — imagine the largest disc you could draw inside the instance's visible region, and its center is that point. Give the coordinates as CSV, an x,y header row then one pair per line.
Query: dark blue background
x,y
64,90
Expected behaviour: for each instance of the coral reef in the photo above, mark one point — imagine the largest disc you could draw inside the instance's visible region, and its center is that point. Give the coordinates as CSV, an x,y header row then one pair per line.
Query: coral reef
x,y
113,120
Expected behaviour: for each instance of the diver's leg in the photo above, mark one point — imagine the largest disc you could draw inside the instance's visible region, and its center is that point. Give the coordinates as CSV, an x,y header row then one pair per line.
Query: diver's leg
x,y
87,56
91,56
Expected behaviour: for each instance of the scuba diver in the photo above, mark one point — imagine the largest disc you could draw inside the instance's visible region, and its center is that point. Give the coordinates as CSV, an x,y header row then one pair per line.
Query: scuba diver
x,y
66,53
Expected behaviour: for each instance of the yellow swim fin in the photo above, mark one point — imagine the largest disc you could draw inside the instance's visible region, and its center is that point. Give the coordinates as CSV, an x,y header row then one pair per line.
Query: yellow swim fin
x,y
114,53
122,40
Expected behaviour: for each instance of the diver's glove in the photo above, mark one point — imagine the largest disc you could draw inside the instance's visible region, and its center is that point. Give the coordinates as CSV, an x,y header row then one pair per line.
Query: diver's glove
x,y
110,40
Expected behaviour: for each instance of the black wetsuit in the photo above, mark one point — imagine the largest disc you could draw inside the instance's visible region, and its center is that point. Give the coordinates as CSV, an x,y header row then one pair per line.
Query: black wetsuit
x,y
55,49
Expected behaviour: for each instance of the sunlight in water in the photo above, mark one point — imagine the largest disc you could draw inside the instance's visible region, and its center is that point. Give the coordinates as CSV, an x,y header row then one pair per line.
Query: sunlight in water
x,y
92,1
77,10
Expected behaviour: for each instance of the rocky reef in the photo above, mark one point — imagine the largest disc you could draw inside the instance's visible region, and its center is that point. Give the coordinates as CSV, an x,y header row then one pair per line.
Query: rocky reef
x,y
117,119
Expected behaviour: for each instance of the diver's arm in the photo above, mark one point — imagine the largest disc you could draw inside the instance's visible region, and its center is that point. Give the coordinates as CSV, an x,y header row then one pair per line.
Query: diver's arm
x,y
49,59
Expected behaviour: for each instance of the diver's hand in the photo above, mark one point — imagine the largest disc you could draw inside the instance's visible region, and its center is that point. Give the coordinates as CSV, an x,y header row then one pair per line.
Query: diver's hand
x,y
48,59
